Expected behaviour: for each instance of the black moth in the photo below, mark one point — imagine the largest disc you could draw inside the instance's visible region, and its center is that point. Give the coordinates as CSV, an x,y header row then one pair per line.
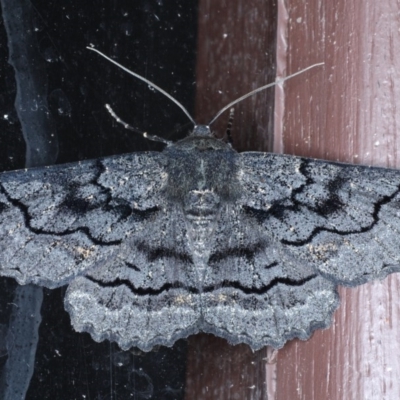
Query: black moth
x,y
199,238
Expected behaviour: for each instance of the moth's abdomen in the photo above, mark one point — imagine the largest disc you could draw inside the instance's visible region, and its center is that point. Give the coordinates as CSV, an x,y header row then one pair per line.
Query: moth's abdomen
x,y
201,213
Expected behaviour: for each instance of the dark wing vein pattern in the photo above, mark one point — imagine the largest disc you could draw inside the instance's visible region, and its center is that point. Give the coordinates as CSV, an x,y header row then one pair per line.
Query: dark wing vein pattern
x,y
157,246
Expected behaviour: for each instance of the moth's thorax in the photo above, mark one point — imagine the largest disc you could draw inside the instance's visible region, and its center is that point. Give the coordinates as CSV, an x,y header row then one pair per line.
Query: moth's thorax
x,y
202,143
202,169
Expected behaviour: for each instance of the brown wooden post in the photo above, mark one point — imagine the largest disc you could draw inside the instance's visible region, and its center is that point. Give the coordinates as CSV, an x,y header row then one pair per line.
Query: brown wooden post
x,y
236,53
347,111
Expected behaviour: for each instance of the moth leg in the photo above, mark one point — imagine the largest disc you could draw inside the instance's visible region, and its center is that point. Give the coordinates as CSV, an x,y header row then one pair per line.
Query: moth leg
x,y
144,134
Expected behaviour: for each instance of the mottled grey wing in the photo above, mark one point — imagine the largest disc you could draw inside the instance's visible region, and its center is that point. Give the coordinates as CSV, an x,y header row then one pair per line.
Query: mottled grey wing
x,y
92,225
57,222
342,219
145,296
256,291
300,228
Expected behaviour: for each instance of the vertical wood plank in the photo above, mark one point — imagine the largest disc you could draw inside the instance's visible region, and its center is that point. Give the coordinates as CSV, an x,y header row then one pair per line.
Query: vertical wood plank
x,y
347,111
236,53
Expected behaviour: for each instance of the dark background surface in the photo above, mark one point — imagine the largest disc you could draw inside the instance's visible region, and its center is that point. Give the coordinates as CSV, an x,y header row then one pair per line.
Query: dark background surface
x,y
153,39
157,40
234,52
338,112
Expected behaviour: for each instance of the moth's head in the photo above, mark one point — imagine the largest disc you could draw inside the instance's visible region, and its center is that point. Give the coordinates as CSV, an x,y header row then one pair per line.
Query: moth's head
x,y
201,130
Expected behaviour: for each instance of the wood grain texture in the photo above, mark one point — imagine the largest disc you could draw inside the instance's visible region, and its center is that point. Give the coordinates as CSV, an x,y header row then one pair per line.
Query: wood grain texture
x,y
346,111
236,54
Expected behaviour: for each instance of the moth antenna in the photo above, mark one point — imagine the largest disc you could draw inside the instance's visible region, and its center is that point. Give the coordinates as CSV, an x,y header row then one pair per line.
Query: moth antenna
x,y
153,85
261,89
154,138
229,126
